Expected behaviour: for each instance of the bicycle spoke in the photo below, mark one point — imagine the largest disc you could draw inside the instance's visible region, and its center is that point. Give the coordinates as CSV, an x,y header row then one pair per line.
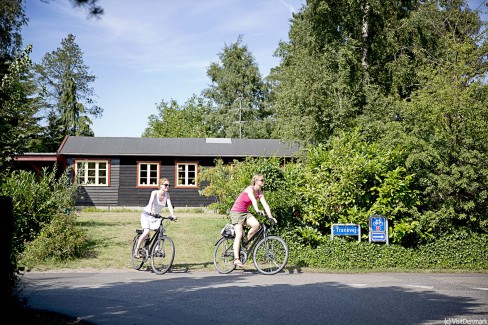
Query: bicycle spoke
x,y
224,255
270,255
162,255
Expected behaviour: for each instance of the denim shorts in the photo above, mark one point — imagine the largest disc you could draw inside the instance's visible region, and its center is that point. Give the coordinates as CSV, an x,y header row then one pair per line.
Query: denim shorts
x,y
239,217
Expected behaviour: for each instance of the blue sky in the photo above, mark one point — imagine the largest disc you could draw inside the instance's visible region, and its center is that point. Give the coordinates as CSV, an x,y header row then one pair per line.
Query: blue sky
x,y
146,51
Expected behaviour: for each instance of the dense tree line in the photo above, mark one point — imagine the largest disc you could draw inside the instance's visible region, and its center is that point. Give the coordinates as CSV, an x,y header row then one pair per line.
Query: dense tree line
x,y
389,101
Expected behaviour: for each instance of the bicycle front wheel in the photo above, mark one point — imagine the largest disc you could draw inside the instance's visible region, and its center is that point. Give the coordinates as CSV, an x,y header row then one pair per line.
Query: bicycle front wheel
x,y
162,255
224,255
137,262
270,255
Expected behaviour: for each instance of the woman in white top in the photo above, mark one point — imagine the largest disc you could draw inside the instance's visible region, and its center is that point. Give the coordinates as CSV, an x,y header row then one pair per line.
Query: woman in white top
x,y
158,200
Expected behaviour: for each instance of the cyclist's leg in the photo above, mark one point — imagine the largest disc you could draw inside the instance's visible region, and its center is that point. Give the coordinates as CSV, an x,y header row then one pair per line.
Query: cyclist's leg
x,y
146,226
136,262
252,223
238,219
142,237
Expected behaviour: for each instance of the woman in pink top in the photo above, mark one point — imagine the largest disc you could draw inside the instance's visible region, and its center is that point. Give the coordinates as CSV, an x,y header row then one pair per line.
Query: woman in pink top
x,y
240,214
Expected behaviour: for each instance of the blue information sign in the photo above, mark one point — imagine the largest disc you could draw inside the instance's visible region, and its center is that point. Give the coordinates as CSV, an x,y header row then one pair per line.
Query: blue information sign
x,y
345,229
378,229
378,224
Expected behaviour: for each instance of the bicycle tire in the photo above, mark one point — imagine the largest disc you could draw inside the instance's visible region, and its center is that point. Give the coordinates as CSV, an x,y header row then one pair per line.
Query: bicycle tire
x,y
223,257
162,255
270,255
137,262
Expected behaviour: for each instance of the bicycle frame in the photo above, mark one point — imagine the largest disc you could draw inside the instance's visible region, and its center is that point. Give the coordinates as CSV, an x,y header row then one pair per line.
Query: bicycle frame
x,y
248,246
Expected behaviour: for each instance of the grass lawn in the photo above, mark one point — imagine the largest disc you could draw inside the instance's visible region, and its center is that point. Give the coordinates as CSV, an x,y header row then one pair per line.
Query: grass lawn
x,y
110,237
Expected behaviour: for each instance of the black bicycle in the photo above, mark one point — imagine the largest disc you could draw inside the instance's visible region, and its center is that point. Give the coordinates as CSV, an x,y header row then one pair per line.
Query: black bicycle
x,y
269,252
159,248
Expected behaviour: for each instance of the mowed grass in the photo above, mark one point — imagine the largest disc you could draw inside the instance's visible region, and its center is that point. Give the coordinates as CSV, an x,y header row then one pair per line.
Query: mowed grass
x,y
110,236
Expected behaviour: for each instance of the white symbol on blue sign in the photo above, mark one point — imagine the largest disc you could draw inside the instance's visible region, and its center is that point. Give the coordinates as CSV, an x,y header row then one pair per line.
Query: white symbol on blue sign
x,y
379,236
378,224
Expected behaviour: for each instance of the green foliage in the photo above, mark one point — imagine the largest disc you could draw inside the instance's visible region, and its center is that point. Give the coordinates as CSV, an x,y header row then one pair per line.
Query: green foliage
x,y
187,121
350,179
18,122
457,252
12,18
36,200
226,182
60,240
239,93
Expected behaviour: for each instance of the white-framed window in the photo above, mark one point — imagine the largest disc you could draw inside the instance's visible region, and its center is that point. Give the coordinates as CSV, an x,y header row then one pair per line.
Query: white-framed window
x,y
92,172
148,174
186,174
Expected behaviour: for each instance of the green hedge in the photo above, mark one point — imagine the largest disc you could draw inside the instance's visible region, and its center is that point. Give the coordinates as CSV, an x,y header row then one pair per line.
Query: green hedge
x,y
455,252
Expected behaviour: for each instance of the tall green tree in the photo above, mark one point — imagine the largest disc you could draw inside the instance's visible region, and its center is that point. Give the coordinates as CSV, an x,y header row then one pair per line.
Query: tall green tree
x,y
70,95
18,109
444,124
337,50
17,115
12,18
238,93
186,121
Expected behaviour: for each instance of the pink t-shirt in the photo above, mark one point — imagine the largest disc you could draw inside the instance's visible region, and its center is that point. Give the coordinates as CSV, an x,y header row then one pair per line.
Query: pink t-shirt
x,y
243,202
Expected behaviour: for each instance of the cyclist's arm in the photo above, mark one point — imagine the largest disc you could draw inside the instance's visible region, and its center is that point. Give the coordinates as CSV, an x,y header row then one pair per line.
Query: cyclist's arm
x,y
265,205
250,193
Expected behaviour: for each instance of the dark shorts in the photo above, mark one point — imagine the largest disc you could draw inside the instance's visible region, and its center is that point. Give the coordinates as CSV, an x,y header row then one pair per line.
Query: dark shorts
x,y
239,217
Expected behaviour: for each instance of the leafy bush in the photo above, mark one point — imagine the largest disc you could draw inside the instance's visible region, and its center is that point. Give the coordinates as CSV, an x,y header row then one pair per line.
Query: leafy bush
x,y
226,183
59,240
36,200
455,252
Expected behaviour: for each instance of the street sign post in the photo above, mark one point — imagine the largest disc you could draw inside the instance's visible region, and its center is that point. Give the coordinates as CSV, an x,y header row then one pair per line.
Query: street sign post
x,y
345,229
378,229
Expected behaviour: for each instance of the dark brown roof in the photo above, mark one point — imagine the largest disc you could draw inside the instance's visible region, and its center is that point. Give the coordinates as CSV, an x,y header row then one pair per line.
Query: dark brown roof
x,y
186,147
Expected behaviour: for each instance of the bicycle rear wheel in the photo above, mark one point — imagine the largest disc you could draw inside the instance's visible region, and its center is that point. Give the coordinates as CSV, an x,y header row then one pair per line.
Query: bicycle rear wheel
x,y
270,255
162,255
224,255
137,262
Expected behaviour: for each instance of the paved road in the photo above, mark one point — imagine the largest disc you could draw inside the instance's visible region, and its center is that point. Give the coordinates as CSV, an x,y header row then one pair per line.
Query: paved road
x,y
247,297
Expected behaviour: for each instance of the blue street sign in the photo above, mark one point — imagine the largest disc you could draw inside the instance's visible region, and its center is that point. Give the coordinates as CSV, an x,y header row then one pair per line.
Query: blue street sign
x,y
345,230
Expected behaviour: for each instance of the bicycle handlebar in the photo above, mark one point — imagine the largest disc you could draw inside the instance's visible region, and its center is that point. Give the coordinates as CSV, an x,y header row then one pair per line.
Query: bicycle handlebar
x,y
263,214
168,217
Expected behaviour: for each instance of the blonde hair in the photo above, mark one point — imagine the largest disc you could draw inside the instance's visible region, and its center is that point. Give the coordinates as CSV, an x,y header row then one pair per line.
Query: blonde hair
x,y
162,180
255,178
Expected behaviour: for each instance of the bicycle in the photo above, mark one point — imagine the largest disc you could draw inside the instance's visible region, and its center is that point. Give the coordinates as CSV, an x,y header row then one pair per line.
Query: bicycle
x,y
159,248
269,252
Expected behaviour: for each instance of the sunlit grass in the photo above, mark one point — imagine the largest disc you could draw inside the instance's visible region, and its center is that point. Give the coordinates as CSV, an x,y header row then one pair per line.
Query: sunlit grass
x,y
110,239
